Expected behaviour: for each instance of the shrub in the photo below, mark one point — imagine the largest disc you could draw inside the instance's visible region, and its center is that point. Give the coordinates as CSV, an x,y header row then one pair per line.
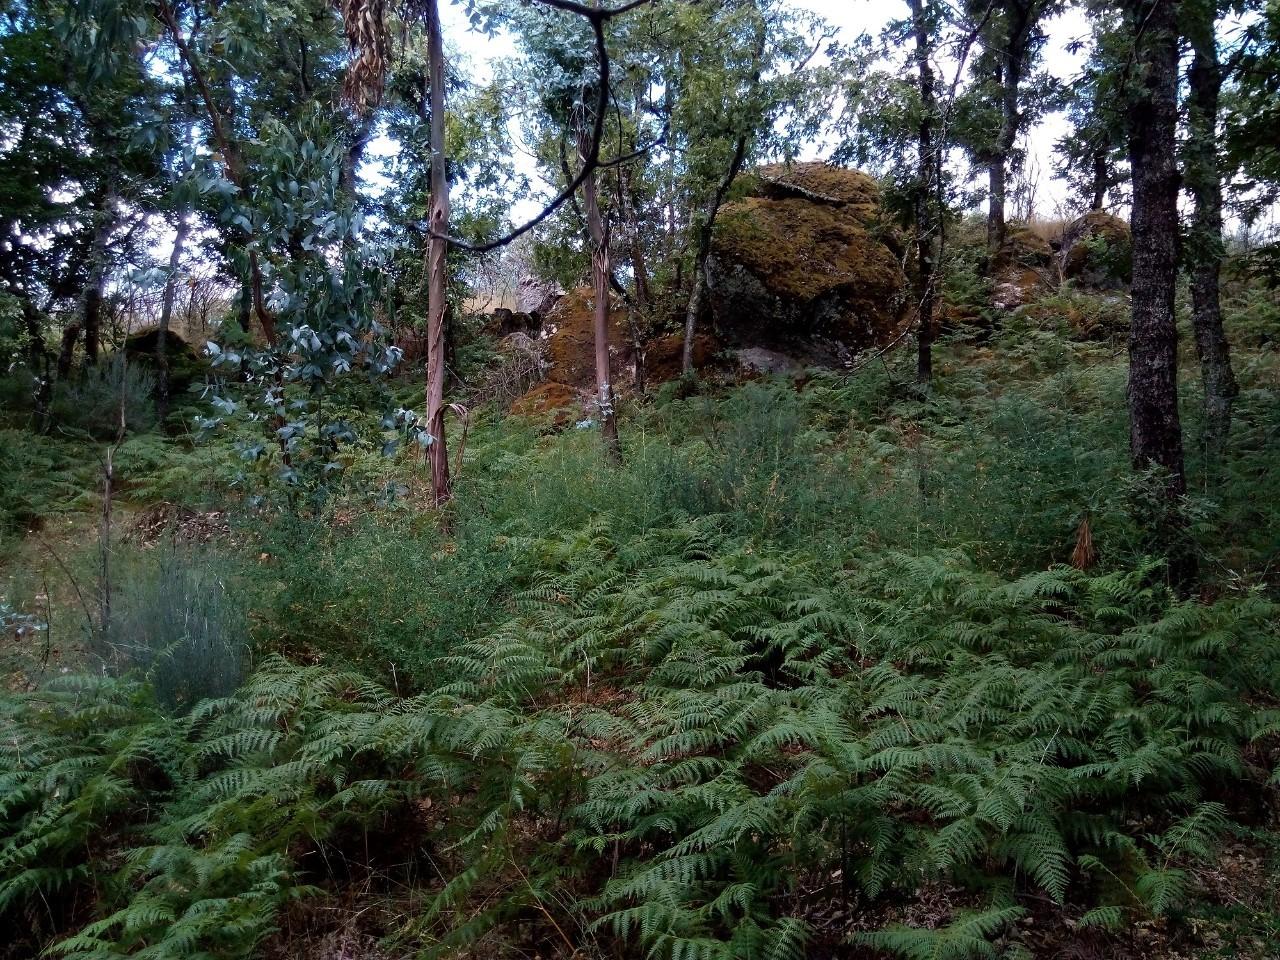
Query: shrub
x,y
92,401
174,623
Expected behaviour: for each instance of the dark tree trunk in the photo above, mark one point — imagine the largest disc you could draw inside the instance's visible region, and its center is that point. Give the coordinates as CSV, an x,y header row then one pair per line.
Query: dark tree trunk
x,y
244,308
67,350
996,225
437,278
1155,430
95,285
1013,56
37,360
703,252
1101,178
925,228
166,315
1203,174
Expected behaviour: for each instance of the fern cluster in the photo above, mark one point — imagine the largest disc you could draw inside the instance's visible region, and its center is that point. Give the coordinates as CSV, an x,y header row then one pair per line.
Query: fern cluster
x,y
670,736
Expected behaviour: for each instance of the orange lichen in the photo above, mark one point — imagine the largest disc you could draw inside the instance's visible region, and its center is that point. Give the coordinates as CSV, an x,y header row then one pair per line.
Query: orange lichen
x,y
571,340
548,398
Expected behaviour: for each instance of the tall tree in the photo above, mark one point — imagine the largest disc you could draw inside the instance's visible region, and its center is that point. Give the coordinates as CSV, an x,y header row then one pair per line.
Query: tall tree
x,y
1094,152
928,218
1155,430
1203,167
1012,36
437,248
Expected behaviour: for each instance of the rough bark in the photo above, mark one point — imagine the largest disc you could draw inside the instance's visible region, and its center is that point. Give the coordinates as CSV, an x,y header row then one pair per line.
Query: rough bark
x,y
166,316
1155,430
924,210
1204,177
437,278
1009,75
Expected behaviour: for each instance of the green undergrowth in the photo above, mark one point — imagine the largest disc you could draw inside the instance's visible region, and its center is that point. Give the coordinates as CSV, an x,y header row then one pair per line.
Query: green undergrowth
x,y
811,643
669,742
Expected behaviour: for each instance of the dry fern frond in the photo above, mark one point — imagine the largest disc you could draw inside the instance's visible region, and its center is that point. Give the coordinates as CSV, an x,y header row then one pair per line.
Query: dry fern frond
x,y
1085,555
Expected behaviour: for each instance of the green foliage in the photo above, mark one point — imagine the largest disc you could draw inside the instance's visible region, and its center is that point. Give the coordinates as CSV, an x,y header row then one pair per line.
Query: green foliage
x,y
94,402
174,622
39,477
721,720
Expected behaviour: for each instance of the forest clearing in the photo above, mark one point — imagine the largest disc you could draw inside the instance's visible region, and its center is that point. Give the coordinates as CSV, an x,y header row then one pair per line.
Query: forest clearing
x,y
753,480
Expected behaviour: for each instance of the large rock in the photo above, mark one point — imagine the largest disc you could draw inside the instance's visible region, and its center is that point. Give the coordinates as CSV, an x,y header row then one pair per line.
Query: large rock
x,y
1020,269
569,336
1097,251
185,362
807,264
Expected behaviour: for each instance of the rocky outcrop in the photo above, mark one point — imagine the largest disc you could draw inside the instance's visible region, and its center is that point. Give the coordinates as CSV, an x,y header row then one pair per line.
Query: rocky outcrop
x,y
807,265
568,334
664,356
185,363
1097,251
1021,270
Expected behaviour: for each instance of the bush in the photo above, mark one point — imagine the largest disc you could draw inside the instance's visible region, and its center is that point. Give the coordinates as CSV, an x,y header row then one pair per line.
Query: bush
x,y
92,400
174,623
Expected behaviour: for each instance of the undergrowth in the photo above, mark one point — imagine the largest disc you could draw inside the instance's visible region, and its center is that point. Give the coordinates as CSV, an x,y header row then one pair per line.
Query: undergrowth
x,y
672,731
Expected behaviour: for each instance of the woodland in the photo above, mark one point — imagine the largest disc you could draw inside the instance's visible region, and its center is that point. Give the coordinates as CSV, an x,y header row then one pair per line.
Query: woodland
x,y
639,478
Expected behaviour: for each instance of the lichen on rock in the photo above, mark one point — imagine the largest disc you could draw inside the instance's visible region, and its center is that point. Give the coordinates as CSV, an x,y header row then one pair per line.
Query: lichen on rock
x,y
807,264
1097,251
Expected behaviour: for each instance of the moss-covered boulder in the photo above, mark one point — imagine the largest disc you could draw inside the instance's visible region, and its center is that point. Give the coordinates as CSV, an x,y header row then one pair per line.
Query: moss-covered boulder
x,y
808,264
185,362
568,333
1097,251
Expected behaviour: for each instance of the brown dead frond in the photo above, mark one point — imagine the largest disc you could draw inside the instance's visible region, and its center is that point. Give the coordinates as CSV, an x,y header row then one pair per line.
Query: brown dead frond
x,y
1085,555
365,24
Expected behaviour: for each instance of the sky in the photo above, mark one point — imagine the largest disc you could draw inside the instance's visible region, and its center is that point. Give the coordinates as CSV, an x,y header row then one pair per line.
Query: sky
x,y
851,17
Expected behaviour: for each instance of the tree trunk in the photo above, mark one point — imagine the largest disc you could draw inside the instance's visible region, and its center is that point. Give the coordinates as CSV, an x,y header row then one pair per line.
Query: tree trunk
x,y
1021,17
996,179
1155,430
1205,179
437,278
924,212
67,349
1101,177
38,361
95,285
639,262
707,227
600,286
166,315
703,252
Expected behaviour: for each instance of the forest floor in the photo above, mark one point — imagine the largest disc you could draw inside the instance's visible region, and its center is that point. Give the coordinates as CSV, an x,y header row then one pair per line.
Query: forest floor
x,y
743,512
